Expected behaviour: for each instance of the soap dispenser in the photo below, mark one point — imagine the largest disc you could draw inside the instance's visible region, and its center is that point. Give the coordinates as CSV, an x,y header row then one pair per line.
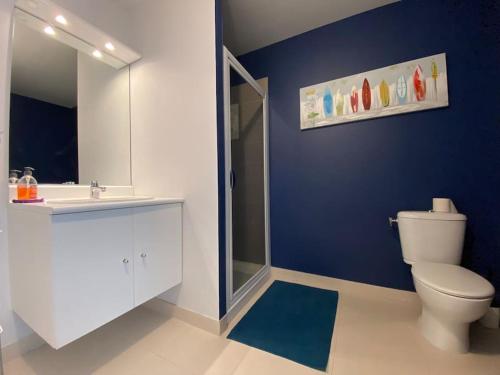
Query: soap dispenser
x,y
27,187
13,176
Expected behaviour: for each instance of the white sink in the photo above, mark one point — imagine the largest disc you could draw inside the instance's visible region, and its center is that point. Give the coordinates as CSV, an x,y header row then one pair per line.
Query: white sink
x,y
125,198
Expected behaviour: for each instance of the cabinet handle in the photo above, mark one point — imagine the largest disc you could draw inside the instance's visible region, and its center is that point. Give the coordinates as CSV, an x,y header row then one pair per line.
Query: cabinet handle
x,y
125,260
144,255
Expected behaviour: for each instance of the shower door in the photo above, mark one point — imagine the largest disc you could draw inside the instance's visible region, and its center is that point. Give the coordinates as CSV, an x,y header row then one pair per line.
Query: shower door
x,y
247,234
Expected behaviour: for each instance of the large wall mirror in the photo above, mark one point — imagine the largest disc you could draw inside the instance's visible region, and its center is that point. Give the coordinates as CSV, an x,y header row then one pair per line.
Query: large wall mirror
x,y
70,109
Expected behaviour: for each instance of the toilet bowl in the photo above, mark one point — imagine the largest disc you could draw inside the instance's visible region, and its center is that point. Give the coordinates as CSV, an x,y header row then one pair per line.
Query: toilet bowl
x,y
452,298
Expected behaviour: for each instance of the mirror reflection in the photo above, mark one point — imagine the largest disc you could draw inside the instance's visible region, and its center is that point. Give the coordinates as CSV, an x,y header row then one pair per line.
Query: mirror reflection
x,y
70,112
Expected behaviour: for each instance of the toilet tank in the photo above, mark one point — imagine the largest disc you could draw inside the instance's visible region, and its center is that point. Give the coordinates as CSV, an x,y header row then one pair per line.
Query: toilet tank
x,y
431,236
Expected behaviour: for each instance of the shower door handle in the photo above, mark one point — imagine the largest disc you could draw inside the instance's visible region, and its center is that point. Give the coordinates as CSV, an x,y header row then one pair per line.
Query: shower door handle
x,y
232,179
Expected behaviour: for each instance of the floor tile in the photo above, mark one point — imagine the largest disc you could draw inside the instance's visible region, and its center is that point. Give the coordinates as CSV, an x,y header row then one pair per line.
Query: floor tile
x,y
262,363
34,363
186,346
375,333
138,362
229,360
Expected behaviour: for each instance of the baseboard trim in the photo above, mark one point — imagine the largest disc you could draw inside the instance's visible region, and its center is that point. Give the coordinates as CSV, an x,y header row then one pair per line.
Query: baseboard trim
x,y
22,346
170,310
217,327
245,299
303,277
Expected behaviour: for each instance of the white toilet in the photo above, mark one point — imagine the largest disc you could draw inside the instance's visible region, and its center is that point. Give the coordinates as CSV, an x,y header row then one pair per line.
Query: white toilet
x,y
452,296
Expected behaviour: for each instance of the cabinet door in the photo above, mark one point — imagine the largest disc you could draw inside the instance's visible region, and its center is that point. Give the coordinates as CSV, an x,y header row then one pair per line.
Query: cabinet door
x,y
92,270
158,250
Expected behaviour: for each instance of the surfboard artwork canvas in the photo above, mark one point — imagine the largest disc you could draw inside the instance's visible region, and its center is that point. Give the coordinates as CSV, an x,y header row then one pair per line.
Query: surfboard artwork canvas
x,y
410,86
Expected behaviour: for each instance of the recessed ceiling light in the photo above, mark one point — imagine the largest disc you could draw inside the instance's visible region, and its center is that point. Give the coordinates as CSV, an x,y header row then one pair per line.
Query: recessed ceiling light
x,y
97,54
60,18
110,46
49,30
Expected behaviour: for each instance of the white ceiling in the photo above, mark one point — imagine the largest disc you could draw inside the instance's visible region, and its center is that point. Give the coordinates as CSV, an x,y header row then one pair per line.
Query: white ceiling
x,y
253,24
43,68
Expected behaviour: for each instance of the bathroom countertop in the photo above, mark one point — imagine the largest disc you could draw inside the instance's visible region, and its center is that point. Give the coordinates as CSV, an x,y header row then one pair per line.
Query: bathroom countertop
x,y
67,208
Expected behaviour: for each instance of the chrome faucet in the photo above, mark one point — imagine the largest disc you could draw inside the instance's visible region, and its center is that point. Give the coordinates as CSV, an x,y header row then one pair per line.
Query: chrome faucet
x,y
95,189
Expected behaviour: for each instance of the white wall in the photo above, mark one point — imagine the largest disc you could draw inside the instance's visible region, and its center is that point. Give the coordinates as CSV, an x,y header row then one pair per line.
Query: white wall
x,y
13,326
174,145
103,123
112,19
174,149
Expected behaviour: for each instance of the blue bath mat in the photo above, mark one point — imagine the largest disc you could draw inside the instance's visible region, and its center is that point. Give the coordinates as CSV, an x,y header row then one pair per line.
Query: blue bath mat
x,y
293,321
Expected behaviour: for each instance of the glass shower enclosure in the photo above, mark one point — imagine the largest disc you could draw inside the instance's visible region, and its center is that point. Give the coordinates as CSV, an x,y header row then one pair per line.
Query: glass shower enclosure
x,y
246,151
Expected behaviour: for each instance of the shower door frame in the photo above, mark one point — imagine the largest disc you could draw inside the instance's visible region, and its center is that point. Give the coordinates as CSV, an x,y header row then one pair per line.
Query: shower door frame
x,y
232,299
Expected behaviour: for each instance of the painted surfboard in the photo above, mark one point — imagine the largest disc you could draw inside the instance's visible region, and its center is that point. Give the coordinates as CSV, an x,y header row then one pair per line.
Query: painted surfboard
x,y
366,95
434,69
354,99
419,83
401,89
328,102
435,74
384,93
339,103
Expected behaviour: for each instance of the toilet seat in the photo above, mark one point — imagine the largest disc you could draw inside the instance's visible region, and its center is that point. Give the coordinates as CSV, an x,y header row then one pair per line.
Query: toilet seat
x,y
452,280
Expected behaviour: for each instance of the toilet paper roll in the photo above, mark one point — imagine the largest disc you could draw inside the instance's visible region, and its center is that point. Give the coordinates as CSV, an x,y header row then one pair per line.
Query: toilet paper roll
x,y
441,205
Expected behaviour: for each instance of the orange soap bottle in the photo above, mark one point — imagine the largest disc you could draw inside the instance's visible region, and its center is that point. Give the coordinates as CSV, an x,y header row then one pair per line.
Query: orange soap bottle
x,y
27,186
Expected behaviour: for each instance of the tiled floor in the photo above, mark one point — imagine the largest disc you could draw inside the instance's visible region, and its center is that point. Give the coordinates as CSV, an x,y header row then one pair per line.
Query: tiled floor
x,y
375,333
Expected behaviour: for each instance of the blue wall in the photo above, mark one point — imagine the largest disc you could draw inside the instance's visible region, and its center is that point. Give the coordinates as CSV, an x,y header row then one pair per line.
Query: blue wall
x,y
43,136
220,156
333,188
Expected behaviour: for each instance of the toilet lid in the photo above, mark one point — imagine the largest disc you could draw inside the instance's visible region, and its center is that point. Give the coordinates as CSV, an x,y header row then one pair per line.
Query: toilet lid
x,y
453,280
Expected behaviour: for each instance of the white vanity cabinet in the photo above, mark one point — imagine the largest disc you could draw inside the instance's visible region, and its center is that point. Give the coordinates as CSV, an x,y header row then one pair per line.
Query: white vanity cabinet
x,y
157,241
92,282
73,272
